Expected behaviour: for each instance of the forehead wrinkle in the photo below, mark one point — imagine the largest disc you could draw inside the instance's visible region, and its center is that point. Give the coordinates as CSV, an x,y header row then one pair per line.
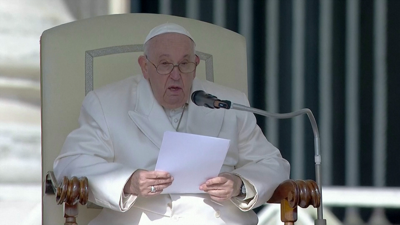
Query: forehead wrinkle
x,y
165,40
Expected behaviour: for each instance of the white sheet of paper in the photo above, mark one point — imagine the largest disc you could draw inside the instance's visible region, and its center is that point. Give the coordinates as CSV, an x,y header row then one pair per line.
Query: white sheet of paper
x,y
191,159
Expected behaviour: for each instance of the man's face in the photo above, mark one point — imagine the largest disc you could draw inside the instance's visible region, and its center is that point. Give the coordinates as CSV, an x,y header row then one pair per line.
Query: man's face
x,y
170,90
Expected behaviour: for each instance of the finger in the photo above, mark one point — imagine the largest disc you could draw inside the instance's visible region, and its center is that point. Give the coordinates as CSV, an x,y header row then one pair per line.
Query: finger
x,y
208,188
156,190
162,181
160,188
219,193
218,199
158,175
144,174
217,186
145,185
216,181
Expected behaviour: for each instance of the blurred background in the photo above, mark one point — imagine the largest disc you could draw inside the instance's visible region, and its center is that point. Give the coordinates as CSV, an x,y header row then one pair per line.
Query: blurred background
x,y
340,58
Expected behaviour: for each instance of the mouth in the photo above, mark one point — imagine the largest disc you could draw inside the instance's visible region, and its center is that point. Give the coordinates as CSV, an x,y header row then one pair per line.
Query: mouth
x,y
174,88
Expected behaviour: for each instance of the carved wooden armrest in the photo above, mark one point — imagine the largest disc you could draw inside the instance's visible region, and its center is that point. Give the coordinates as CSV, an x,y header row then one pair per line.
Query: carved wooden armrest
x,y
291,194
70,192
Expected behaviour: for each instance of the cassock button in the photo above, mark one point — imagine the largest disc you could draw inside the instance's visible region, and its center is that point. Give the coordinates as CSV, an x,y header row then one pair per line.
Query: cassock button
x,y
217,215
175,120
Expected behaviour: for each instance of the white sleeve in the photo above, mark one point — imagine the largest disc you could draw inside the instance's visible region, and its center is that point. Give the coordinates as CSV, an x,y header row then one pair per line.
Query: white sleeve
x,y
88,151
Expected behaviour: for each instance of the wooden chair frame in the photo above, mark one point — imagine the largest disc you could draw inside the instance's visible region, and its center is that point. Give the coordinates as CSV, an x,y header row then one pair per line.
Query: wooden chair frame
x,y
290,194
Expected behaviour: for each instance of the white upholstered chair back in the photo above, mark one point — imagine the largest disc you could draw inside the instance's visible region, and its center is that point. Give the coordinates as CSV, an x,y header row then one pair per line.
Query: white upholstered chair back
x,y
86,54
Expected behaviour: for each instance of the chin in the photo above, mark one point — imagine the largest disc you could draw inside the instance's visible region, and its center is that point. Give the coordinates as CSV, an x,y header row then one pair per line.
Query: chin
x,y
173,105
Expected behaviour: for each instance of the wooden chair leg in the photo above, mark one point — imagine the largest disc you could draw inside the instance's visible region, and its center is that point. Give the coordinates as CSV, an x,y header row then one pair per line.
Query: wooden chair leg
x,y
70,214
69,193
288,214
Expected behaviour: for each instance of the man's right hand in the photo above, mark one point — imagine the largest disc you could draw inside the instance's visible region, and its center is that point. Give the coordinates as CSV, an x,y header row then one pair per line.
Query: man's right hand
x,y
142,181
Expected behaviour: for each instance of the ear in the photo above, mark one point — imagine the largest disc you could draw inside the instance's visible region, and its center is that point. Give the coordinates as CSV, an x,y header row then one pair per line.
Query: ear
x,y
143,66
197,60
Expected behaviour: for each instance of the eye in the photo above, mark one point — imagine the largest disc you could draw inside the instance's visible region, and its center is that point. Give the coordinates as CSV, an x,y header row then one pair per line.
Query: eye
x,y
165,63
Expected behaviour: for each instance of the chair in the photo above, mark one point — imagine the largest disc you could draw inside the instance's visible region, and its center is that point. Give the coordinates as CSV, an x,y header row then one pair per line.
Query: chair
x,y
80,56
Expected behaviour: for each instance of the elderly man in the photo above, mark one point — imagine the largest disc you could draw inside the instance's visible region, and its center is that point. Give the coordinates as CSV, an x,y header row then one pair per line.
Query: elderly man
x,y
121,130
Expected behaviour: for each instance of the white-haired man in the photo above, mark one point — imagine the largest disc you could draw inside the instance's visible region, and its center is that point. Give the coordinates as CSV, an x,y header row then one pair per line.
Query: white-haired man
x,y
120,134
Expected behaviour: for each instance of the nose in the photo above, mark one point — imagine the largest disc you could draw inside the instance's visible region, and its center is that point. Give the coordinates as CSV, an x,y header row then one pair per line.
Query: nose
x,y
175,73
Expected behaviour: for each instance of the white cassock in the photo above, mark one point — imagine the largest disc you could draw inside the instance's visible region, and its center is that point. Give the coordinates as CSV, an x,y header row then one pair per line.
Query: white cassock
x,y
121,130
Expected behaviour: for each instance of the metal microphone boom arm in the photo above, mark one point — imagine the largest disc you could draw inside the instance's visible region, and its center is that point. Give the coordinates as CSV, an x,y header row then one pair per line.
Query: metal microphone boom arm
x,y
317,156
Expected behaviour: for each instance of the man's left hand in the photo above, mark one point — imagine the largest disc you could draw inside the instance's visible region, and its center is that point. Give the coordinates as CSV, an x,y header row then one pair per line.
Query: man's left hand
x,y
223,187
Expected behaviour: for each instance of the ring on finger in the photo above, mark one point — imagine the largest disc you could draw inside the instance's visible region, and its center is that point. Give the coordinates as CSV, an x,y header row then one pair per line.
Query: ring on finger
x,y
153,189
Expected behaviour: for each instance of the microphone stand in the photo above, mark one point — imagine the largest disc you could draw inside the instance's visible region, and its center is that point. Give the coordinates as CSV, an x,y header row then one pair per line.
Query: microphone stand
x,y
317,156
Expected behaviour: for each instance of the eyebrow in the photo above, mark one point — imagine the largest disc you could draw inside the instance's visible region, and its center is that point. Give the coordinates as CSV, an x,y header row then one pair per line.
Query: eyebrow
x,y
168,55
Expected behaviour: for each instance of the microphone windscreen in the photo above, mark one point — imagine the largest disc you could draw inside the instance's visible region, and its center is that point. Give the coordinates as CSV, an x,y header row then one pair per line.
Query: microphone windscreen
x,y
201,98
196,96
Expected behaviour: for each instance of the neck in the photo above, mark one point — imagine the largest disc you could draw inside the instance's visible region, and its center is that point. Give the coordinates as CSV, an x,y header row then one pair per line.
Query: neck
x,y
180,107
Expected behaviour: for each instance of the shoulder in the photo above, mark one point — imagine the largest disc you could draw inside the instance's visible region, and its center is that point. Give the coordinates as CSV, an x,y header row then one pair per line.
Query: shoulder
x,y
111,94
222,92
127,84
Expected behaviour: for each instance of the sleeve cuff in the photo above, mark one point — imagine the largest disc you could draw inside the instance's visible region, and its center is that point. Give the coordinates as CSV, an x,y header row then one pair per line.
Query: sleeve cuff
x,y
250,190
126,201
246,203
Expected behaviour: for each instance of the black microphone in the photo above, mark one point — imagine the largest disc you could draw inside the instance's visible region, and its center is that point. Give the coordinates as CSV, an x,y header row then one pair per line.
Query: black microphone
x,y
202,98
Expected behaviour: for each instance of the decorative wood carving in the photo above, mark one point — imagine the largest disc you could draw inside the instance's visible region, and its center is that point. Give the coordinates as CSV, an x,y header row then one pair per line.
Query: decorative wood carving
x,y
291,194
70,192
